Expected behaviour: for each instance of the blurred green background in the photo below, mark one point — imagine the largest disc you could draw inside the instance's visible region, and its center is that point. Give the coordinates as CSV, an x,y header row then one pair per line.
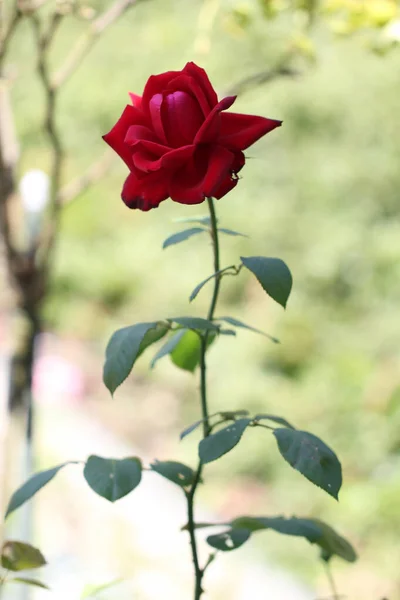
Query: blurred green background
x,y
322,193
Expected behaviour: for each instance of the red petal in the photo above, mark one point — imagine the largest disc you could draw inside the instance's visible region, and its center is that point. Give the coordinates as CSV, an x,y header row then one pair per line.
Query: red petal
x,y
238,163
202,176
219,166
145,193
187,84
137,133
210,129
201,77
156,84
238,132
155,114
152,147
136,100
116,137
171,160
226,186
182,118
175,159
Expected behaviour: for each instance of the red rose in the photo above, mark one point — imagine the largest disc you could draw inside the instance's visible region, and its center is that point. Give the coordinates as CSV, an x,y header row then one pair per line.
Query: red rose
x,y
178,143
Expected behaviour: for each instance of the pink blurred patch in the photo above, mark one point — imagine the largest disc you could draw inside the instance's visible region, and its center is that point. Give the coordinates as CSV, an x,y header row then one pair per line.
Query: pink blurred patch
x,y
56,379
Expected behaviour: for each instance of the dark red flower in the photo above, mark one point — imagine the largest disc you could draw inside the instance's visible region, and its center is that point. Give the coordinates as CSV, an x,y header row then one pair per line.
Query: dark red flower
x,y
178,142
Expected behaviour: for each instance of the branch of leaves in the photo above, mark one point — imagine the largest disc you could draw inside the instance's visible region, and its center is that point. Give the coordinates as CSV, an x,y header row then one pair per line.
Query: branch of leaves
x,y
183,345
315,531
110,478
272,273
19,556
303,451
203,225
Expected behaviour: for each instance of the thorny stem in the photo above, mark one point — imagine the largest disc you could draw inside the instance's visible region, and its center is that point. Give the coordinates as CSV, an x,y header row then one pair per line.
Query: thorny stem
x,y
199,572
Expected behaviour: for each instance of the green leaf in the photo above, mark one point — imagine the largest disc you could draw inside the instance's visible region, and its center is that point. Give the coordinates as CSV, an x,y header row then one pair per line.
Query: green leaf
x,y
237,323
122,351
333,544
176,472
219,443
91,591
186,354
202,283
228,415
191,428
275,419
18,556
182,236
229,540
273,274
293,526
169,346
152,336
28,581
314,530
203,525
195,323
311,457
233,414
112,479
31,487
231,232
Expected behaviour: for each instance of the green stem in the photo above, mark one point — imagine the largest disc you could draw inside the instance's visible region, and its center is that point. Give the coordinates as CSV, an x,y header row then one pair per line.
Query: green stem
x,y
335,594
198,571
215,243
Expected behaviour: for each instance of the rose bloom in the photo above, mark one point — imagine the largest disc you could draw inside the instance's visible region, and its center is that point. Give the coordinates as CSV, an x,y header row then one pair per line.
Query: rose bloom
x,y
178,142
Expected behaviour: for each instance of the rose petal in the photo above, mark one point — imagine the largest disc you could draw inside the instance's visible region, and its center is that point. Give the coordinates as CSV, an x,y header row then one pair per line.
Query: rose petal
x,y
145,193
226,186
176,158
156,84
202,175
238,131
220,164
230,180
182,118
210,129
137,133
155,114
136,100
152,147
116,137
171,160
201,77
184,83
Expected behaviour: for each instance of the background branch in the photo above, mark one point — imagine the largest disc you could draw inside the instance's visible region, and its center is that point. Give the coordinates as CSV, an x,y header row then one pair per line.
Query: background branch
x,y
79,185
38,4
44,40
29,270
260,78
87,40
8,161
7,30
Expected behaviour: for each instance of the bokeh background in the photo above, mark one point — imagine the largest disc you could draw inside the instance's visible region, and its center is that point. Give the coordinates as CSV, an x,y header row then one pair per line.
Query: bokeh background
x,y
322,193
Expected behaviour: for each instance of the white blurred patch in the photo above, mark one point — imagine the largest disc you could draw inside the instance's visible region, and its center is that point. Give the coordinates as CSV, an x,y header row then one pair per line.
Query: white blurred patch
x,y
34,188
